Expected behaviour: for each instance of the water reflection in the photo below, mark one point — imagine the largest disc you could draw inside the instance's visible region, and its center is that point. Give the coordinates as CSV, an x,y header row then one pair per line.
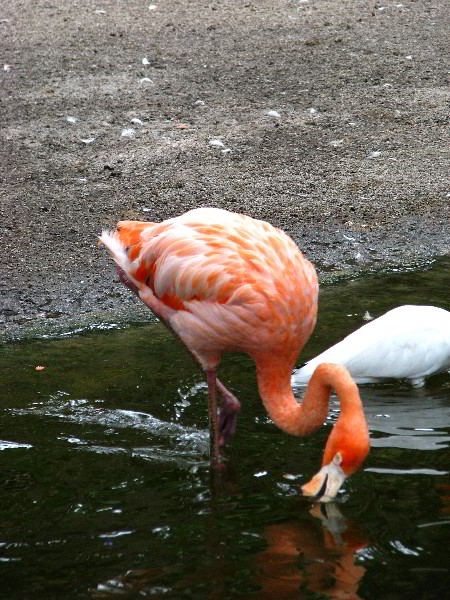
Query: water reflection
x,y
312,555
316,553
407,417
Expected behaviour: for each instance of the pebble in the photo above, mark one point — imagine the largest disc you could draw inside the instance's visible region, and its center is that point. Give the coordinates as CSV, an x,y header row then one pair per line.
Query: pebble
x,y
216,143
128,132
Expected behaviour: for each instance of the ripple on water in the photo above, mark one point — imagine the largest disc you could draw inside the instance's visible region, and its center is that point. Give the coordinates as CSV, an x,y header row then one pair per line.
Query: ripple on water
x,y
180,444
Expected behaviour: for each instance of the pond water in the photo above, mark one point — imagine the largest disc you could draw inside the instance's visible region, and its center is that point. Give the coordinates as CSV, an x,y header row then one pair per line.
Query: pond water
x,y
106,492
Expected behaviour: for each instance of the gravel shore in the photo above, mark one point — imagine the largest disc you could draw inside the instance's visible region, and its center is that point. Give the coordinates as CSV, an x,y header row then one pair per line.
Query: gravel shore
x,y
325,117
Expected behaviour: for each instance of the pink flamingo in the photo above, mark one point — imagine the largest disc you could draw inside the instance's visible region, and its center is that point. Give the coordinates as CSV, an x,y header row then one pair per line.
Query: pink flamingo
x,y
225,282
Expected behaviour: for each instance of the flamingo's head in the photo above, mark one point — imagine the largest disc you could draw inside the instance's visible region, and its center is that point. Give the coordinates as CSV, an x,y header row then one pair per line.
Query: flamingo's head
x,y
346,450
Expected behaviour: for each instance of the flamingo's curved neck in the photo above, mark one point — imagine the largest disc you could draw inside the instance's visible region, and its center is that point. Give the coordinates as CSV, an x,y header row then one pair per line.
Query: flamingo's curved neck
x,y
274,381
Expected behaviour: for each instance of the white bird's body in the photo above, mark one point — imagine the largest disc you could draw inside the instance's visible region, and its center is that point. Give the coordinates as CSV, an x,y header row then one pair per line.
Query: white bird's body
x,y
408,342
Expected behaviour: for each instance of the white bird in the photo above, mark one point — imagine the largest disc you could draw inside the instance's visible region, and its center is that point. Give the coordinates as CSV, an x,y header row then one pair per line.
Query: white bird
x,y
408,342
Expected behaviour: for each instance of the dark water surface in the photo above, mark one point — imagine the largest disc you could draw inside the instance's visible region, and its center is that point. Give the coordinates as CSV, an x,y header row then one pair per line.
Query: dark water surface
x,y
106,492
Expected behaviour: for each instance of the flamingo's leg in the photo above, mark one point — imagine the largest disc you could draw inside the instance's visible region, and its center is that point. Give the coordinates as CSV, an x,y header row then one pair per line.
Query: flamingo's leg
x,y
229,408
230,405
212,415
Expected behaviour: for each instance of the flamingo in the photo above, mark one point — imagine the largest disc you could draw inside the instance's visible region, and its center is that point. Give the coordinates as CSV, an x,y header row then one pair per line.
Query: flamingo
x,y
408,342
226,282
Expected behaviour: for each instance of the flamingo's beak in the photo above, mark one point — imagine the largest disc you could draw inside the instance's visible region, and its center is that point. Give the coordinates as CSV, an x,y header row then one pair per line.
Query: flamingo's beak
x,y
325,485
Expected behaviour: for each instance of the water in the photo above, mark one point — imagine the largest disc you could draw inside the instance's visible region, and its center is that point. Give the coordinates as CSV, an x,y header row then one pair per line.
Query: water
x,y
106,492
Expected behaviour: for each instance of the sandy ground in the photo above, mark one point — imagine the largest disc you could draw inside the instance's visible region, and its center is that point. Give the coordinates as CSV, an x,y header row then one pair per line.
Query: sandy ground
x,y
109,107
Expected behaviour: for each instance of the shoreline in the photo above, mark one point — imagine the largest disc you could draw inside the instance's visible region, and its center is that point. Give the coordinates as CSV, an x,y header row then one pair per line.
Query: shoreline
x,y
130,312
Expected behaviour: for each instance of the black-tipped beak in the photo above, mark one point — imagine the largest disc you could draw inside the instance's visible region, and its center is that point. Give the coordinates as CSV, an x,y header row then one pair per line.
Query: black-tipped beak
x,y
325,484
323,489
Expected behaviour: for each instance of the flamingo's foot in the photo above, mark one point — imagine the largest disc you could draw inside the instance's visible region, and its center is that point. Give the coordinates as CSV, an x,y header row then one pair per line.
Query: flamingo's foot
x,y
229,410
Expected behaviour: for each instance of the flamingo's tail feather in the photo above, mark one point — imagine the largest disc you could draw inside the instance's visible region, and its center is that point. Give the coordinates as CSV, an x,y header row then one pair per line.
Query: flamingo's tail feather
x,y
111,240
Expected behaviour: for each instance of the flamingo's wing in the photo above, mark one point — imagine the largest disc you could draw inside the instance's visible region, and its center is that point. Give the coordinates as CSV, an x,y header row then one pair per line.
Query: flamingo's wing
x,y
221,277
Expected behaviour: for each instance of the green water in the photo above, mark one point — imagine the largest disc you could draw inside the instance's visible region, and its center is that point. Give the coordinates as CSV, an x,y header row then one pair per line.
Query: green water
x,y
106,492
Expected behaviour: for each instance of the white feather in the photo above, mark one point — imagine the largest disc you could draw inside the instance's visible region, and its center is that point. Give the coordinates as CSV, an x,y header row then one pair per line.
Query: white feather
x,y
117,251
408,342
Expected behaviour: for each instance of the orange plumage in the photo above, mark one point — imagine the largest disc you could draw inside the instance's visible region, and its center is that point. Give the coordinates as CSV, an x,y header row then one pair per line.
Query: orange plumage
x,y
225,282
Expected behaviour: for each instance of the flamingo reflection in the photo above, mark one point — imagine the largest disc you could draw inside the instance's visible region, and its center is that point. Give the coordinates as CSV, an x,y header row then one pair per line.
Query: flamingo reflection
x,y
304,556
